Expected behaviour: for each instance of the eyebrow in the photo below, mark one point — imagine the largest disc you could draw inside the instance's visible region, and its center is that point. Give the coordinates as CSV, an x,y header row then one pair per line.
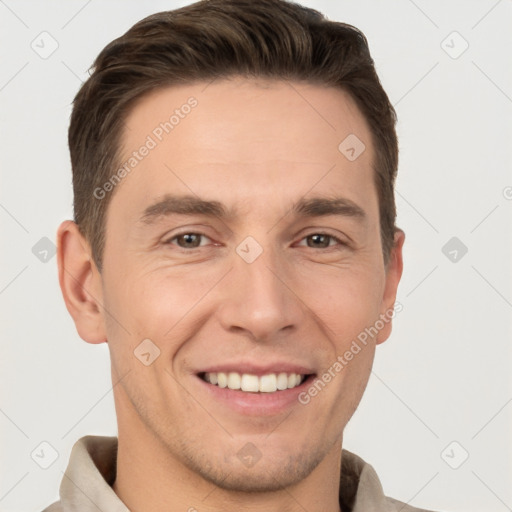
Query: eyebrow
x,y
190,205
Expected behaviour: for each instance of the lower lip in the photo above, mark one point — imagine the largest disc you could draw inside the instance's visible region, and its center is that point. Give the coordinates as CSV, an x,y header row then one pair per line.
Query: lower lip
x,y
256,404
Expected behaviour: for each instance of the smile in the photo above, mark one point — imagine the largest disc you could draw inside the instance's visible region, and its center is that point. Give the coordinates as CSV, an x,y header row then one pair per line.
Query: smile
x,y
269,383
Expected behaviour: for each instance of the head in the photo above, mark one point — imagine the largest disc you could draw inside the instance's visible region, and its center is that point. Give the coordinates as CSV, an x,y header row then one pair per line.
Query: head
x,y
233,174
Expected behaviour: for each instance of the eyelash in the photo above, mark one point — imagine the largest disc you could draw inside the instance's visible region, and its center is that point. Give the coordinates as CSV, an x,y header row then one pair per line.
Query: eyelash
x,y
183,249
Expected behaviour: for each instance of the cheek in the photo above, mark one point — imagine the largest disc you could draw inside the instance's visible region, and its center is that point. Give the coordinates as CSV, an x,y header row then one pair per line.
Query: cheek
x,y
155,305
347,300
165,304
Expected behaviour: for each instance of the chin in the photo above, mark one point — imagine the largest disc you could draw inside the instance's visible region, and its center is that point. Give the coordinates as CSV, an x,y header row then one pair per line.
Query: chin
x,y
267,474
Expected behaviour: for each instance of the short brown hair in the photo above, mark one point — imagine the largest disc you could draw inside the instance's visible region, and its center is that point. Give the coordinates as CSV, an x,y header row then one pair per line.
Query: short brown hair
x,y
213,39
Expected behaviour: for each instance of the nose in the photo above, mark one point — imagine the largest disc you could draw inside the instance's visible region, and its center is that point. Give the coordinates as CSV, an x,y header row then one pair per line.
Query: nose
x,y
258,299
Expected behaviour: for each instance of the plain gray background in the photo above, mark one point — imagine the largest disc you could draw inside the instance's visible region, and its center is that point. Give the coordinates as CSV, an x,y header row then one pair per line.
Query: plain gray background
x,y
441,389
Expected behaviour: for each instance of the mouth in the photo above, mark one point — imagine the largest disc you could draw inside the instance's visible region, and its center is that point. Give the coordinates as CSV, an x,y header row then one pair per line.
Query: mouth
x,y
250,389
250,383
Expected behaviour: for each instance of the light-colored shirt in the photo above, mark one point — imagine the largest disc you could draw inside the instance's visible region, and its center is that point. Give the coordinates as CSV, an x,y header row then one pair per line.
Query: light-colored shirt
x,y
91,472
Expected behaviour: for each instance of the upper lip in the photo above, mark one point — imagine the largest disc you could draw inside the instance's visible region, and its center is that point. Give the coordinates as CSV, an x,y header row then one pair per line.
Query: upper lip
x,y
254,368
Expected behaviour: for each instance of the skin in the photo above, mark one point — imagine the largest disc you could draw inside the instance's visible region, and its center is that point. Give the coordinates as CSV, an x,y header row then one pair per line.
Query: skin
x,y
257,147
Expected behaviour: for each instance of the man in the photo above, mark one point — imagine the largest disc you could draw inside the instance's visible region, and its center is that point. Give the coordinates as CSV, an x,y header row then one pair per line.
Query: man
x,y
235,245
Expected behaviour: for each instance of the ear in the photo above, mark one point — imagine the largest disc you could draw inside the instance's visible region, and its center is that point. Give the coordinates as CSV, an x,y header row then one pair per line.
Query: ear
x,y
393,275
80,283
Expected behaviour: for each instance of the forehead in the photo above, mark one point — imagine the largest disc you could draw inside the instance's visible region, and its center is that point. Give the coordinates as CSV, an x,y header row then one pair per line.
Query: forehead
x,y
247,136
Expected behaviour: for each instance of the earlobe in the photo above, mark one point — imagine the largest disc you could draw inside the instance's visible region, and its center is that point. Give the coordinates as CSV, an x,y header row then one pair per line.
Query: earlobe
x,y
393,276
80,283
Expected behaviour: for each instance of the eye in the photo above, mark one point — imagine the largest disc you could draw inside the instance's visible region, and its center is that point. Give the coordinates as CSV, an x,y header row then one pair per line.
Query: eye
x,y
192,240
322,240
187,240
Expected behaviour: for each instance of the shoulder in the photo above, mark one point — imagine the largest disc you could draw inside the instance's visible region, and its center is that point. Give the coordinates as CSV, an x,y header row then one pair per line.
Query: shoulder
x,y
54,507
399,506
361,489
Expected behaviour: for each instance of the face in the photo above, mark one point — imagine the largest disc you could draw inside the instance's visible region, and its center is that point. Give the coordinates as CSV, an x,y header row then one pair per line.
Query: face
x,y
245,246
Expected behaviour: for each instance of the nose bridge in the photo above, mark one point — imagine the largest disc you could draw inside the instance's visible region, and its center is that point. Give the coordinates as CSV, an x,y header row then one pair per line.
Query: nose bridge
x,y
258,300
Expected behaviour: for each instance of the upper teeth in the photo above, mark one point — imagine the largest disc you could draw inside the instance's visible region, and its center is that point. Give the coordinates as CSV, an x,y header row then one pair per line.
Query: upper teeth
x,y
246,382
